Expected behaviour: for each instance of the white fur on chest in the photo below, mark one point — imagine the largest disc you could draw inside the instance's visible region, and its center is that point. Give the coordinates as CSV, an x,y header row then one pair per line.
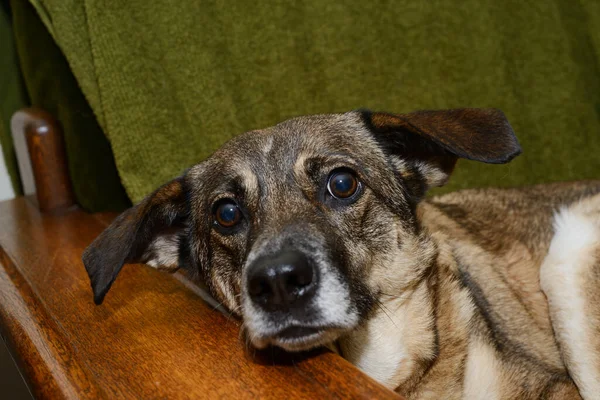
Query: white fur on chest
x,y
387,346
378,349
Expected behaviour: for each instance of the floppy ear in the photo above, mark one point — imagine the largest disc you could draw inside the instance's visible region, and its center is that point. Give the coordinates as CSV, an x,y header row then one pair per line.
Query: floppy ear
x,y
429,143
148,232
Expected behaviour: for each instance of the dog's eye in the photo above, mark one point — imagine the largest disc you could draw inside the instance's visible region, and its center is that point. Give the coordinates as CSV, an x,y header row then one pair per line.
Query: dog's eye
x,y
227,213
342,184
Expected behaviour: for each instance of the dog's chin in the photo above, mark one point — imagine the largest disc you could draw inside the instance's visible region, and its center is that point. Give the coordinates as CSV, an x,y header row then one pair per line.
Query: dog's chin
x,y
298,338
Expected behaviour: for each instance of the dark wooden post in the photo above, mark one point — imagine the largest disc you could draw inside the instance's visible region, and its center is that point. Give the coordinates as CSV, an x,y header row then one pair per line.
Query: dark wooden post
x,y
41,152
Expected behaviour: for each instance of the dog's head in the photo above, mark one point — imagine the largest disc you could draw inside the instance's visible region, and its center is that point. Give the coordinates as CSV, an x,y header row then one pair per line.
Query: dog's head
x,y
300,228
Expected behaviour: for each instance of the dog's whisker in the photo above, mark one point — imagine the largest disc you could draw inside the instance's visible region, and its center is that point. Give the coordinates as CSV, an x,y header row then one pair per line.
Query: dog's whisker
x,y
246,339
389,295
217,306
383,308
232,313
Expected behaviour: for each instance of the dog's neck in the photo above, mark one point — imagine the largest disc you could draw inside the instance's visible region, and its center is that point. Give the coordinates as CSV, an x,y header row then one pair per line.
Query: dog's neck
x,y
421,329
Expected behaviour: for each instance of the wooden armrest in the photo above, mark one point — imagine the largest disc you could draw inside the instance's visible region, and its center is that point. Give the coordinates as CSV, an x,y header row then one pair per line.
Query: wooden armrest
x,y
153,337
42,160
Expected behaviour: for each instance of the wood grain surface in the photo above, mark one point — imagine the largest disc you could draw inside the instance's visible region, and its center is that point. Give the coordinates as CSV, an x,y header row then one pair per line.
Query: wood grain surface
x,y
153,337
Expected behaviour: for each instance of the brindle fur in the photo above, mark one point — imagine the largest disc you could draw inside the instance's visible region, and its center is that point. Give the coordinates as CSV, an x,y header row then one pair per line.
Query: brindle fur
x,y
443,295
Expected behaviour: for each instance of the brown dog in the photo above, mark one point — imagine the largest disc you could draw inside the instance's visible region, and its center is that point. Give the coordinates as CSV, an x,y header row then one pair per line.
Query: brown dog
x,y
314,233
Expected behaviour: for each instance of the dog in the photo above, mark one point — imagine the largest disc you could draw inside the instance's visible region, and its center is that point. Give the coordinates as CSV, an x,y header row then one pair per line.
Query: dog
x,y
317,232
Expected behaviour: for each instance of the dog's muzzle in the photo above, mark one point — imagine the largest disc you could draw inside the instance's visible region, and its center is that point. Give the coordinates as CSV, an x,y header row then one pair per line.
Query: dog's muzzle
x,y
292,295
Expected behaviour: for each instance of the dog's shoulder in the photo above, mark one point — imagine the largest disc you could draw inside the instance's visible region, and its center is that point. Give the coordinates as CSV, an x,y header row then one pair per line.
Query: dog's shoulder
x,y
496,240
523,213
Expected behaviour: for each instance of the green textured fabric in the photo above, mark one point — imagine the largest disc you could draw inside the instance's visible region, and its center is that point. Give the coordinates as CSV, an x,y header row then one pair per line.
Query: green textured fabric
x,y
52,86
170,82
12,95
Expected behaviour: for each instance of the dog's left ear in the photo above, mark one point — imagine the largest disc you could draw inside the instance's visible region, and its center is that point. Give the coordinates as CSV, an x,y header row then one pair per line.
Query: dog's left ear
x,y
149,232
430,142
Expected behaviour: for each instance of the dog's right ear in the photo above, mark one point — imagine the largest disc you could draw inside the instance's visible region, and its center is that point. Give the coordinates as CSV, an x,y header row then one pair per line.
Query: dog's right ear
x,y
148,232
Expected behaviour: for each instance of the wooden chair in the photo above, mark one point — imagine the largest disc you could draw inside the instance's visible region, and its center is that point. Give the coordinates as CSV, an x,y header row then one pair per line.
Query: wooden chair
x,y
154,336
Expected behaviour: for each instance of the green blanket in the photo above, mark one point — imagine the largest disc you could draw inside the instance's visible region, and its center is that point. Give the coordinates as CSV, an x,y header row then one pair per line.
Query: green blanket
x,y
12,95
52,86
170,81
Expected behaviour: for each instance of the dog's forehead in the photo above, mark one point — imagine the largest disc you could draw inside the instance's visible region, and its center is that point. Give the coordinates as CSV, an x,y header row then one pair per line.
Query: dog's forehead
x,y
276,149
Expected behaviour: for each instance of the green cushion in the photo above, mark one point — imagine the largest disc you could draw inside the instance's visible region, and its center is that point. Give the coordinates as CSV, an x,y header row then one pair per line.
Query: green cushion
x,y
12,94
52,86
171,81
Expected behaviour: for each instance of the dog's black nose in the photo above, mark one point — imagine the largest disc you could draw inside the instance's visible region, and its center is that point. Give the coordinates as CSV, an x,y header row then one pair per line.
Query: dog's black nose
x,y
282,281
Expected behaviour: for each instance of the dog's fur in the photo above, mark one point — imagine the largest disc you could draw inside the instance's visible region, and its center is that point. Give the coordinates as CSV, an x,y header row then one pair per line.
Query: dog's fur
x,y
478,294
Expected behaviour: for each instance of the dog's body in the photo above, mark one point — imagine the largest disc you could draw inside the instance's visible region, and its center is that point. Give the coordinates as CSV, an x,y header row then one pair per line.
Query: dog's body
x,y
478,326
314,233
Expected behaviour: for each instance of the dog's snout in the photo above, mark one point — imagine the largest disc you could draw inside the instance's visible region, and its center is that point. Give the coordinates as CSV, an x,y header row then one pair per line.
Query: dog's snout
x,y
283,281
